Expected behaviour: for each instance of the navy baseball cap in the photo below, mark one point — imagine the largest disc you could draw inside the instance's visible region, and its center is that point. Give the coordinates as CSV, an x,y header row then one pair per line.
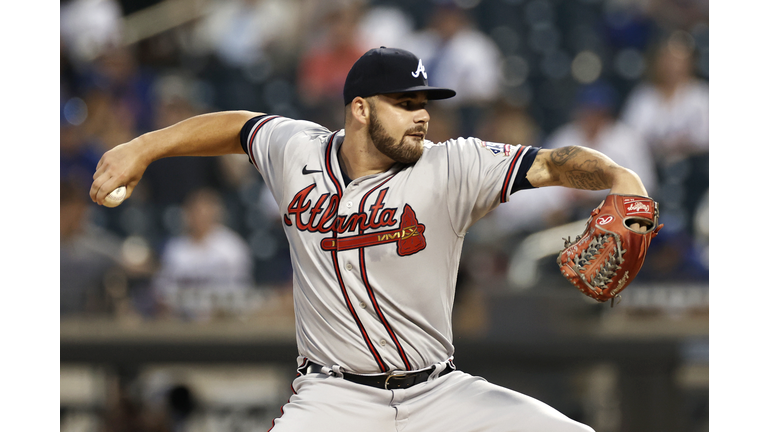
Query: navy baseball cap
x,y
389,70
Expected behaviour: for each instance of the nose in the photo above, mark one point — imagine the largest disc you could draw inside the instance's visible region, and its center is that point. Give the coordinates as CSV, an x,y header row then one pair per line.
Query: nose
x,y
421,116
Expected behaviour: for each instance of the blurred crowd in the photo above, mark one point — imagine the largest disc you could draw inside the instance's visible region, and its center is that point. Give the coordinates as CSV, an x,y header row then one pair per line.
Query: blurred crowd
x,y
201,237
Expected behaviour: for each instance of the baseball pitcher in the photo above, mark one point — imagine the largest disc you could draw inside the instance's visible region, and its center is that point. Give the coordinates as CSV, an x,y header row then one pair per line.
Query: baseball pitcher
x,y
375,215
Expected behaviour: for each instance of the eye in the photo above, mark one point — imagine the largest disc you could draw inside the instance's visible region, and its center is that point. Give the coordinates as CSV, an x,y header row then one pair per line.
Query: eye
x,y
411,105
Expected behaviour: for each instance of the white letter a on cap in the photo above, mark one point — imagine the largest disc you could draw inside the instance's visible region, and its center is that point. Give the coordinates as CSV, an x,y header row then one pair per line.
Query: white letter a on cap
x,y
420,70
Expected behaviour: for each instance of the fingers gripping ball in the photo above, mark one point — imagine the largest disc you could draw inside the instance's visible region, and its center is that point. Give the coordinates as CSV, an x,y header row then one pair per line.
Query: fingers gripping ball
x,y
115,197
607,256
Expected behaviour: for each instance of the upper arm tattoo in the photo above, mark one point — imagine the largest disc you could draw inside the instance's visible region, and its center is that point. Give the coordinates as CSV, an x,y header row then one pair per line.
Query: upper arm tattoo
x,y
563,154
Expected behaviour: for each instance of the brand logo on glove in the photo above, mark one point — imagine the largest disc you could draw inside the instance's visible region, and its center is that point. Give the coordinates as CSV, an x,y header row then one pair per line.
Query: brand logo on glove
x,y
638,207
603,220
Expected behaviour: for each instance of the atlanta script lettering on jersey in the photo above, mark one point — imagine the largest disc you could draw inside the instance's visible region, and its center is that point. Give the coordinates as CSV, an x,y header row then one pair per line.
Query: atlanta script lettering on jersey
x,y
321,216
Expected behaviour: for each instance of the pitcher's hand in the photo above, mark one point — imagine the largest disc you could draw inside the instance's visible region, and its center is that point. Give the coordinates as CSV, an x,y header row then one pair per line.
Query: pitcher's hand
x,y
122,165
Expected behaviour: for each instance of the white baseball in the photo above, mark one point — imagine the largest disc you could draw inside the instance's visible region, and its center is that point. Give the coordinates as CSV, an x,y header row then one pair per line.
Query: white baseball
x,y
115,197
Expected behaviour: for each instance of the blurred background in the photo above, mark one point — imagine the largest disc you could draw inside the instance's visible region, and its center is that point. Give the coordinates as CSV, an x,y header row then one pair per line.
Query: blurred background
x,y
176,309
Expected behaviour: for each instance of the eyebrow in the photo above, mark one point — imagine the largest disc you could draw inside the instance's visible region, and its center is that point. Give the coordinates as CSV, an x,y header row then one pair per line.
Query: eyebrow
x,y
404,96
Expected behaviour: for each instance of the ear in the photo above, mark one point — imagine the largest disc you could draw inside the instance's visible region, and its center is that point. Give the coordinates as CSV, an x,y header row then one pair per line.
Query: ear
x,y
360,110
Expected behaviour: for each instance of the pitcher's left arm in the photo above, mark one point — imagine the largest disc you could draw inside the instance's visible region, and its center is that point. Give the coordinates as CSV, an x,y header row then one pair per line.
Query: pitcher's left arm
x,y
583,168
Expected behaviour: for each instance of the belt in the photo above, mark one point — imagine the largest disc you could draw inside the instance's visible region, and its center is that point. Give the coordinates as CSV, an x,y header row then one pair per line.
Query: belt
x,y
389,381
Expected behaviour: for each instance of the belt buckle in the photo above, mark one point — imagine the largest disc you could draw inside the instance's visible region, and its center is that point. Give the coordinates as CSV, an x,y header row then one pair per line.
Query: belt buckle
x,y
393,375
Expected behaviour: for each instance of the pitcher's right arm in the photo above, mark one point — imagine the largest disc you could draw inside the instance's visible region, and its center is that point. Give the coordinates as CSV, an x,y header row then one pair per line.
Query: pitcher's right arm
x,y
211,134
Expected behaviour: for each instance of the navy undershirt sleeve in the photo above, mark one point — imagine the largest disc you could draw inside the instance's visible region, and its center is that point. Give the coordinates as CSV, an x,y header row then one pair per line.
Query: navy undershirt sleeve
x,y
246,130
521,182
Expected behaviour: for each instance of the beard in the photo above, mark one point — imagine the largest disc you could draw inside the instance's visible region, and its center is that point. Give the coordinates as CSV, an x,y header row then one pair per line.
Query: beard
x,y
397,151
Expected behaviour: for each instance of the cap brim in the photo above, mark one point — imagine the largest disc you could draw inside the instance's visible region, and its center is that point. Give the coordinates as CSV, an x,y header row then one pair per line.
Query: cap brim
x,y
433,93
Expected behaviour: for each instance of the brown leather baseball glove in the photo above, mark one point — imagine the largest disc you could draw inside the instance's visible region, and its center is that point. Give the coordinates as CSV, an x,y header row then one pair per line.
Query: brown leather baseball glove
x,y
607,256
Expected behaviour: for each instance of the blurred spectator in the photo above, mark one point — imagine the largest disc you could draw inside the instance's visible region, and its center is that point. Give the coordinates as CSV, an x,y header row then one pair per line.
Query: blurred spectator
x,y
525,212
118,89
177,97
595,126
509,124
386,25
244,33
89,28
459,56
671,111
98,99
88,256
323,67
208,269
103,105
109,122
677,14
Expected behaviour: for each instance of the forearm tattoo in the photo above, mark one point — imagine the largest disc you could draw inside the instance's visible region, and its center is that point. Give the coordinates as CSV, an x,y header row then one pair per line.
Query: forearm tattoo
x,y
588,176
577,171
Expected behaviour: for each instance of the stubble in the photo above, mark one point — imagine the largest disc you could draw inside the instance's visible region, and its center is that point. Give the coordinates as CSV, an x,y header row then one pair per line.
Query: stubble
x,y
401,151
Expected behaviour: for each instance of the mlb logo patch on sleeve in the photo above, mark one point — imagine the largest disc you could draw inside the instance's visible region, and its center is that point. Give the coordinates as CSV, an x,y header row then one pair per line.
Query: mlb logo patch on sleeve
x,y
497,148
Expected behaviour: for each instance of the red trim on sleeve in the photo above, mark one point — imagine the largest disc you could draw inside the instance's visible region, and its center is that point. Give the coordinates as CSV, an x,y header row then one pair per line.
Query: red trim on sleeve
x,y
510,173
253,136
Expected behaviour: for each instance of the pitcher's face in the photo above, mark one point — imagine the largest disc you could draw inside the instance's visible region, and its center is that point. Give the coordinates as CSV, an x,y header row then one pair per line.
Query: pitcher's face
x,y
398,125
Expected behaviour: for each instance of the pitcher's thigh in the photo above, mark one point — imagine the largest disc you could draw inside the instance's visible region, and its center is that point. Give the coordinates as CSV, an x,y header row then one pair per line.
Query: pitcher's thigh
x,y
322,403
468,403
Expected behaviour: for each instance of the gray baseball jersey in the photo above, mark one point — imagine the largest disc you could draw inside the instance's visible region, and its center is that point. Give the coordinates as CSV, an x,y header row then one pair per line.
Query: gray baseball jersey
x,y
375,260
